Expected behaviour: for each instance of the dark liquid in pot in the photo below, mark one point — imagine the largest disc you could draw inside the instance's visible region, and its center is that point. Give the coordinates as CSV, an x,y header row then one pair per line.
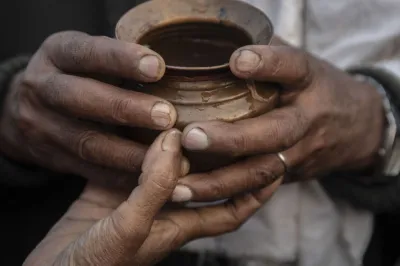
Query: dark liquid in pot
x,y
196,44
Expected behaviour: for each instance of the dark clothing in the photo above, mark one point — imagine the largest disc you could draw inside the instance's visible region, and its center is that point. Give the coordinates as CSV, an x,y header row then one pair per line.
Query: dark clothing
x,y
32,201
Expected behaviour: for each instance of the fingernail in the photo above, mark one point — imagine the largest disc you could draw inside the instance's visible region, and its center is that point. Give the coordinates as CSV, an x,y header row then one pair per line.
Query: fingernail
x,y
172,141
247,61
185,166
150,67
196,139
161,114
182,194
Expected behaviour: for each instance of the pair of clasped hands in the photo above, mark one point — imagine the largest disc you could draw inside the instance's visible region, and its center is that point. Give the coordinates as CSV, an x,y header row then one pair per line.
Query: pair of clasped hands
x,y
54,117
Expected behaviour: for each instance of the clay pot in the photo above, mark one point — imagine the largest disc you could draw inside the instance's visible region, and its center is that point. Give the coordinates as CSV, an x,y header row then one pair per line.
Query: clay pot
x,y
196,40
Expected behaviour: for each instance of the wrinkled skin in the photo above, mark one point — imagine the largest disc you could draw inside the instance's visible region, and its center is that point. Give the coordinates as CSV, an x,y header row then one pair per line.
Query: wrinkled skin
x,y
55,111
327,121
106,227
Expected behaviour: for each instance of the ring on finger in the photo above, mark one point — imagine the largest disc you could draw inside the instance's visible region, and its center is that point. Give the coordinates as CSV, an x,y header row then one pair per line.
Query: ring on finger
x,y
286,168
283,159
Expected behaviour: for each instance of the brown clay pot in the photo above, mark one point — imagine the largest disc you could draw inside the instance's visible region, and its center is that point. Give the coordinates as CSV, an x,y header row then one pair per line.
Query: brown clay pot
x,y
196,39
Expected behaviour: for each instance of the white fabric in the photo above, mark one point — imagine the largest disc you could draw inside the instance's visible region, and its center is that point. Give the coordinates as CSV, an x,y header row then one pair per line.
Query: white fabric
x,y
301,224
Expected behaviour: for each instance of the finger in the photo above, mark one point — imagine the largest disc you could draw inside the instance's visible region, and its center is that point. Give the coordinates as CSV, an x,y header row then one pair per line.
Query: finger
x,y
91,145
94,100
50,156
148,164
185,167
212,221
244,176
160,180
281,64
118,237
224,218
175,228
269,133
78,52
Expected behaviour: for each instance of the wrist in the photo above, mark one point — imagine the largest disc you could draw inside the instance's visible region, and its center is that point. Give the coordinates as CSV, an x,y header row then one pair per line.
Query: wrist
x,y
386,127
388,164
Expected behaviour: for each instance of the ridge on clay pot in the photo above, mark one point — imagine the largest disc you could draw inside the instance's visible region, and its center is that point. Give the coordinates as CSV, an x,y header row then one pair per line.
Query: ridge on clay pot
x,y
196,38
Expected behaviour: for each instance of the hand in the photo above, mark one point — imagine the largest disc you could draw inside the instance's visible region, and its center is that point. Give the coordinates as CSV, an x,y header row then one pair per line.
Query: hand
x,y
105,228
51,110
327,121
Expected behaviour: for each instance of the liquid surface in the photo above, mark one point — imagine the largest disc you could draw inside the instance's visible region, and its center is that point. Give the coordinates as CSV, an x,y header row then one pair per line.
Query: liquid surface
x,y
196,44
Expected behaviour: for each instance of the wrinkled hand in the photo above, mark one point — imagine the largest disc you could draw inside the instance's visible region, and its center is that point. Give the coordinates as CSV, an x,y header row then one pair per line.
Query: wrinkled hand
x,y
327,121
105,228
52,112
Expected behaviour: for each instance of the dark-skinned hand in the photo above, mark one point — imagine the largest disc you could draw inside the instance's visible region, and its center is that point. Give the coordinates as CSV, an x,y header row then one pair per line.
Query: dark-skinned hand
x,y
52,113
327,121
107,227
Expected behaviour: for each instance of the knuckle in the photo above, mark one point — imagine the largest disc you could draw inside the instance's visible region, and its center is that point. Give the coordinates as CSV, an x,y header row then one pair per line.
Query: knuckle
x,y
289,140
24,116
46,86
25,120
285,141
29,79
70,46
120,109
51,89
261,176
162,181
235,222
115,53
320,141
276,64
55,39
304,69
293,123
272,61
36,72
121,224
80,50
172,234
85,141
240,143
217,188
256,198
134,159
51,41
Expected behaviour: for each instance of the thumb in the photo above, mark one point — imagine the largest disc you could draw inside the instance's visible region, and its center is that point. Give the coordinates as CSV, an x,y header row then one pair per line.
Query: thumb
x,y
119,236
161,170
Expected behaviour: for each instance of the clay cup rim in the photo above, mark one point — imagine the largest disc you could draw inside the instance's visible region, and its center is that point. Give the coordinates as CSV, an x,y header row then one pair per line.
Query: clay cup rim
x,y
140,20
